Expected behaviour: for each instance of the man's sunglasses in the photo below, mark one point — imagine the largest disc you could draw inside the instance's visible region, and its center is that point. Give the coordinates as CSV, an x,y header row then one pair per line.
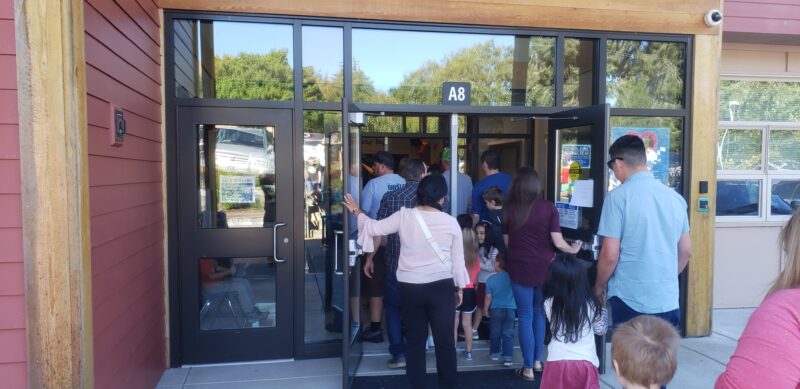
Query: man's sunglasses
x,y
610,162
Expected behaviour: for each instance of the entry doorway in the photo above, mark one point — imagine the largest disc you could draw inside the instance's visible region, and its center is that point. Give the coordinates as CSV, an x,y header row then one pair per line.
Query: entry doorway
x,y
235,196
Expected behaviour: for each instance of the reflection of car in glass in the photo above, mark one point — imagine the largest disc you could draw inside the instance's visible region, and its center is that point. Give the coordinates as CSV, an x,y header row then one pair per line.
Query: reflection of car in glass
x,y
243,149
788,191
734,198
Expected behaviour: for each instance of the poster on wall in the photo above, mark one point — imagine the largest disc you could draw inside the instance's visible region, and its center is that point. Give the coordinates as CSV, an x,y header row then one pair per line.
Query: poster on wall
x,y
575,165
237,189
656,145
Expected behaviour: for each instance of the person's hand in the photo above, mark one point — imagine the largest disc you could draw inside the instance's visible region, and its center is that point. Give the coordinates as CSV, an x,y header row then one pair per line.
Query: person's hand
x,y
369,267
459,297
576,246
600,293
349,203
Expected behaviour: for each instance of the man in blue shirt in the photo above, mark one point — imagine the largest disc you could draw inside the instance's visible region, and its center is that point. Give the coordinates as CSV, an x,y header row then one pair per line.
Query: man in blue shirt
x,y
462,189
490,163
646,242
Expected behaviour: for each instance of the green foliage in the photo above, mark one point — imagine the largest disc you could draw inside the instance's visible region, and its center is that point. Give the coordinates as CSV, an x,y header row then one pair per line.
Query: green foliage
x,y
644,74
759,101
254,76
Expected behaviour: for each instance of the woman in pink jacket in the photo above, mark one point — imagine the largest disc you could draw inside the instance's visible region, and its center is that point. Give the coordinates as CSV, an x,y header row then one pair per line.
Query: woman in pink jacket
x,y
768,354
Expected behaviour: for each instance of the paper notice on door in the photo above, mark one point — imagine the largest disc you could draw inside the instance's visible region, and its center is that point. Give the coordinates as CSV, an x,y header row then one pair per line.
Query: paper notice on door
x,y
568,215
582,193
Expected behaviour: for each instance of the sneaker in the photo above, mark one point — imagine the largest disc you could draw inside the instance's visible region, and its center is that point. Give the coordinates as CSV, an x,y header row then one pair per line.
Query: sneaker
x,y
468,355
429,343
475,335
398,362
372,336
494,357
508,363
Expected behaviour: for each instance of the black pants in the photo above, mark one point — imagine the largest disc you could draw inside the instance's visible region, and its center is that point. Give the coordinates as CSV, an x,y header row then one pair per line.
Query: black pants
x,y
429,304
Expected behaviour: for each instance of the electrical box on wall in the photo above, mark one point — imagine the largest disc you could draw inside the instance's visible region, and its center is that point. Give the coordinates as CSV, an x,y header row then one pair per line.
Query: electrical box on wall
x,y
117,127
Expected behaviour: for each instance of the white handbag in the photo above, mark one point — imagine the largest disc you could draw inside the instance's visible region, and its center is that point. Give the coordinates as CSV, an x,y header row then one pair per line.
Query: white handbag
x,y
439,253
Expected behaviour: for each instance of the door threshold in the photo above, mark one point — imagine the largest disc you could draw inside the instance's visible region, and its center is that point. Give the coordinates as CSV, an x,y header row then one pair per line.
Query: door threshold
x,y
266,361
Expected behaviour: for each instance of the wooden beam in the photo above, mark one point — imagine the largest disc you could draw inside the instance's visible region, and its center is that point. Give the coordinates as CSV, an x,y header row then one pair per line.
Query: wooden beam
x,y
666,16
55,192
703,167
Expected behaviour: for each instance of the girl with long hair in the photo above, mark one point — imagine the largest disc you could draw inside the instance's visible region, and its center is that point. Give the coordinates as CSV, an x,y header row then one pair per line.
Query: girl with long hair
x,y
468,303
532,230
770,343
574,316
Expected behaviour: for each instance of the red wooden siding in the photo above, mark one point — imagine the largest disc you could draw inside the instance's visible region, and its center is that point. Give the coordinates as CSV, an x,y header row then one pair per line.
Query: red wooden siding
x,y
123,61
780,17
13,353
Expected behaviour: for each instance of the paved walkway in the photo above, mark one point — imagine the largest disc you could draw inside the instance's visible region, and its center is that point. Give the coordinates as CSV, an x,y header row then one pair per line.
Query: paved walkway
x,y
700,361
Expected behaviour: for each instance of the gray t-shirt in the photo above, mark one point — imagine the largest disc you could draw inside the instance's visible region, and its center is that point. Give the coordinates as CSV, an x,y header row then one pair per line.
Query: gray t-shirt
x,y
377,187
463,190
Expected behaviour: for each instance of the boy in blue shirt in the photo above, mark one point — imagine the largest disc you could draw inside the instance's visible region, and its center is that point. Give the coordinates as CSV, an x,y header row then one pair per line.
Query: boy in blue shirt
x,y
501,312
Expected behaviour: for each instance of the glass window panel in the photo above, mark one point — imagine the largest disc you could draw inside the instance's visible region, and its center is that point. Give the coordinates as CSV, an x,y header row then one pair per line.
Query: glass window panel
x,y
412,124
739,149
237,293
663,139
741,100
645,74
784,150
213,61
236,176
383,124
503,125
413,67
785,196
578,72
323,61
738,197
323,222
432,124
513,154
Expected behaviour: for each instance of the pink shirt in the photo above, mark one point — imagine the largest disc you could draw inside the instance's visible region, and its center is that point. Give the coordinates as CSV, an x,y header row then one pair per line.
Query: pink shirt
x,y
768,354
418,263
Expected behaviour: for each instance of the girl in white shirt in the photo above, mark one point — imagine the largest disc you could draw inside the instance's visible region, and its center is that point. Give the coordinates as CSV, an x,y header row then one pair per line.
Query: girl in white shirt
x,y
574,316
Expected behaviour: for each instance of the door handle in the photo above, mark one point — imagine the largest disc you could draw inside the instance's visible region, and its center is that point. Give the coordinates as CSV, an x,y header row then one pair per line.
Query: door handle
x,y
337,233
275,256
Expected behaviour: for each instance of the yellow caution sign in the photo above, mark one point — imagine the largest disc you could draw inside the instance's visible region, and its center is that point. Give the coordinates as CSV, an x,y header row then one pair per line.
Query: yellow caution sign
x,y
574,171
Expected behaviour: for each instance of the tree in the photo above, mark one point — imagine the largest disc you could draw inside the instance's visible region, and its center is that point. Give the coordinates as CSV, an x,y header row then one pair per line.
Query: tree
x,y
254,76
645,74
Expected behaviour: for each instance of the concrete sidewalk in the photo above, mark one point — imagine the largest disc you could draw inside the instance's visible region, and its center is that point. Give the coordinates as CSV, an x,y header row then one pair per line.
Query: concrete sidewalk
x,y
700,362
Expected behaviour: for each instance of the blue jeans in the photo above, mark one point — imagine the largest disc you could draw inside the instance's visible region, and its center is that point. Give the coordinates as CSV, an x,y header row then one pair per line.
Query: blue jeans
x,y
531,322
501,324
393,304
621,312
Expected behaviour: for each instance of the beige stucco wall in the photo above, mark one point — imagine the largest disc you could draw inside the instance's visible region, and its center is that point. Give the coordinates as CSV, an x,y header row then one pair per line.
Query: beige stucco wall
x,y
746,261
760,60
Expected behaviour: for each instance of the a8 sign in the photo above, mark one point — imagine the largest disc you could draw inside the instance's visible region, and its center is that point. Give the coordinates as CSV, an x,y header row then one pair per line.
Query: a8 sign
x,y
456,93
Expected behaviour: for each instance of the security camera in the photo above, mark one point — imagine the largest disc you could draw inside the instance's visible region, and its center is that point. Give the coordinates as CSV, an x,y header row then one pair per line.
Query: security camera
x,y
713,17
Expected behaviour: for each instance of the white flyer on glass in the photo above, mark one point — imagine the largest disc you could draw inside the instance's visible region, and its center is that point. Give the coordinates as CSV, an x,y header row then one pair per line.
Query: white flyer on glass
x,y
568,215
582,194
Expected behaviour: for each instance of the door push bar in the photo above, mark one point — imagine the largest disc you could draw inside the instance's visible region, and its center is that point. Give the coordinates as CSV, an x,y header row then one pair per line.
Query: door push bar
x,y
275,243
338,233
593,246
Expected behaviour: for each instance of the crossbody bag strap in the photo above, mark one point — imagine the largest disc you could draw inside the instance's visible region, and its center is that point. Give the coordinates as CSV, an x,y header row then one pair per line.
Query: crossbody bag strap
x,y
439,253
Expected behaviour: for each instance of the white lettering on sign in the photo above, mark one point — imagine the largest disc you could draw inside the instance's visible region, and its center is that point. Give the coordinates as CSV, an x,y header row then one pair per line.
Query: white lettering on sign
x,y
457,94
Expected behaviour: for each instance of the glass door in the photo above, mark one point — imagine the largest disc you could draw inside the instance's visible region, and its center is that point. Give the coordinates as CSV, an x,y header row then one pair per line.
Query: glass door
x,y
576,181
348,255
235,244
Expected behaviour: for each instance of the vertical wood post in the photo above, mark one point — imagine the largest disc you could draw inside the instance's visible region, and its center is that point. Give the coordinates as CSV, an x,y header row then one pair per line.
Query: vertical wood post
x,y
55,196
703,167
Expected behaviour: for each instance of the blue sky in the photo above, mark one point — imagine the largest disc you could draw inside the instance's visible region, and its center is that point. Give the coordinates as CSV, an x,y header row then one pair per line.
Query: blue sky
x,y
383,55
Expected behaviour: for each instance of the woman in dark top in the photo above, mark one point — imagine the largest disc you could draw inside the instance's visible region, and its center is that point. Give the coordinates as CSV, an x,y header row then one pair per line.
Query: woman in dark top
x,y
532,231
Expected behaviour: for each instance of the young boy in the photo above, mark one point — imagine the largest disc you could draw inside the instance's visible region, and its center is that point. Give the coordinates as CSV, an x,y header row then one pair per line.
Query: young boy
x,y
644,352
501,312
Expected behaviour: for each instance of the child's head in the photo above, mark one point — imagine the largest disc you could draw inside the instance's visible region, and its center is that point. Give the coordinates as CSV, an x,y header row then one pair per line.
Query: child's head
x,y
464,221
493,198
644,351
500,262
470,247
574,305
480,232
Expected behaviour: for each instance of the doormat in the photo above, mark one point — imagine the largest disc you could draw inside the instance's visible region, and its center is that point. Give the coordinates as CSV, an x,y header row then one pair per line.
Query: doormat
x,y
476,379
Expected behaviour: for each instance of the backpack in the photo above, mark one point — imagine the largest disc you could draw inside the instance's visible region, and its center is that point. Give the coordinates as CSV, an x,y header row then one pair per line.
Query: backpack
x,y
494,230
